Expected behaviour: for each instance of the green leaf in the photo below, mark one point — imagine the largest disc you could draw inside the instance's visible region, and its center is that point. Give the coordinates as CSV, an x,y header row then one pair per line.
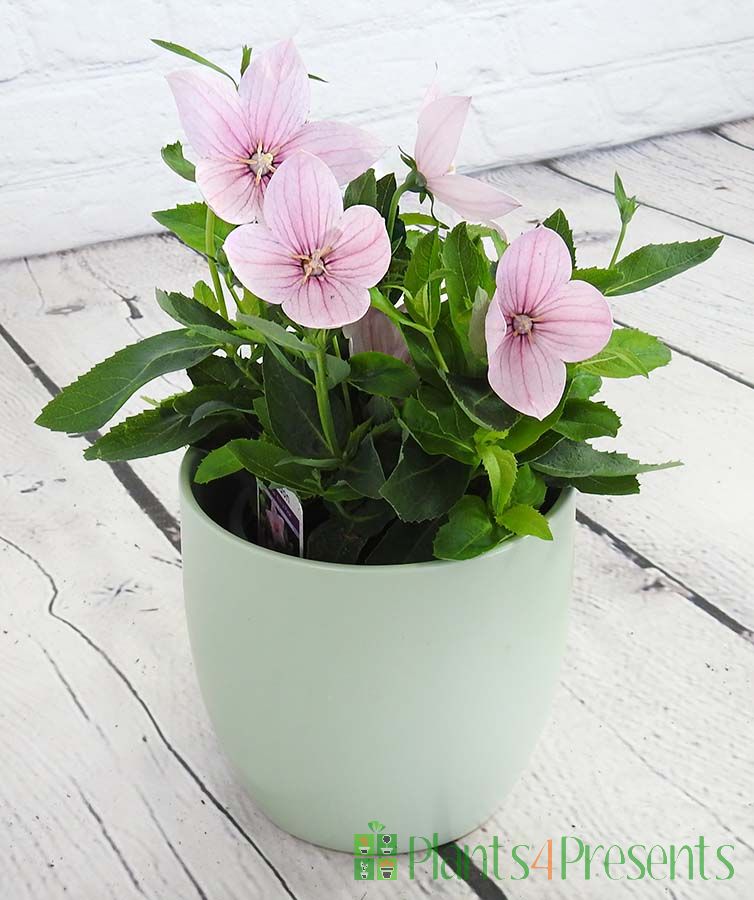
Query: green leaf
x,y
481,404
424,487
649,266
522,519
559,224
617,486
627,206
215,370
628,352
293,411
364,472
500,466
421,219
583,386
262,459
427,431
583,419
361,191
529,488
172,155
527,431
469,531
425,261
569,459
262,413
189,54
386,187
204,294
187,222
189,311
382,374
340,539
403,543
540,447
96,396
276,334
465,277
149,433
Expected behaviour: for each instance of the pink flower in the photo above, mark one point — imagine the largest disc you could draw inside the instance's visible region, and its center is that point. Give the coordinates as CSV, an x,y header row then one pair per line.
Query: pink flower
x,y
539,320
310,255
441,122
243,136
375,331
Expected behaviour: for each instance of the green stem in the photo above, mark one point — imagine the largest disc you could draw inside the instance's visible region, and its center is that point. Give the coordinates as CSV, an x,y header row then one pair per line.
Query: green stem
x,y
438,353
344,385
323,401
209,249
621,236
393,211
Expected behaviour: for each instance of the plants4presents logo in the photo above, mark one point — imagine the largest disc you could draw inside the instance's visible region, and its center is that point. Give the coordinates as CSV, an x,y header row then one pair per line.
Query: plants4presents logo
x,y
375,854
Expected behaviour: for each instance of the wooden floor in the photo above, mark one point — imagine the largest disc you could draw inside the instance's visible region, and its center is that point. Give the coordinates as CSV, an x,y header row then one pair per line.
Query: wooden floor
x,y
113,785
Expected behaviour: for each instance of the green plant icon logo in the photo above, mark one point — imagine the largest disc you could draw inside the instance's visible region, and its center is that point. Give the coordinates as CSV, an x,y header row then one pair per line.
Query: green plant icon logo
x,y
375,854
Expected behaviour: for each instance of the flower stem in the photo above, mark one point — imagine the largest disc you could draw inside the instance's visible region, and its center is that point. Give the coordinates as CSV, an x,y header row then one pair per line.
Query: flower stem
x,y
323,401
344,385
618,245
393,211
209,249
436,350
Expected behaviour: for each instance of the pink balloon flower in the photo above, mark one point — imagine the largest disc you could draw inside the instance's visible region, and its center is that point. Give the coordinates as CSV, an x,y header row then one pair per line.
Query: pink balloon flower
x,y
310,255
243,136
539,320
441,122
376,332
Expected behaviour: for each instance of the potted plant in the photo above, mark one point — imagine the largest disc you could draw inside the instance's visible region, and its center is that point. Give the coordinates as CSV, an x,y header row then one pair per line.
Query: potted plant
x,y
387,423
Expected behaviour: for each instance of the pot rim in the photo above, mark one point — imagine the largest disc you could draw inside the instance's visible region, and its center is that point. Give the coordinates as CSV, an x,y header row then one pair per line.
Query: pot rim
x,y
191,461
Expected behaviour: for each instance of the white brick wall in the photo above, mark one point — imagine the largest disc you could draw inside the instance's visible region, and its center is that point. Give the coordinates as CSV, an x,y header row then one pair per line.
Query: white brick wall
x,y
84,108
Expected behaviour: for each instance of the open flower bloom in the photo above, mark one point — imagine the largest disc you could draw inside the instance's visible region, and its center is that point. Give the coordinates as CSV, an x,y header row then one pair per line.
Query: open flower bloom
x,y
441,122
310,255
243,136
376,332
539,320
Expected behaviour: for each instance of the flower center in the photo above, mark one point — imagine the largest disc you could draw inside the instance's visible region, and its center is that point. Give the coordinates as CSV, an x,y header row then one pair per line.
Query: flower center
x,y
261,163
522,324
314,264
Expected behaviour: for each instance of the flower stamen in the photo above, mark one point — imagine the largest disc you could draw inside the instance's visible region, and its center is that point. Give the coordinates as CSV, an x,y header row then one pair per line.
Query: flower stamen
x,y
522,324
314,263
261,162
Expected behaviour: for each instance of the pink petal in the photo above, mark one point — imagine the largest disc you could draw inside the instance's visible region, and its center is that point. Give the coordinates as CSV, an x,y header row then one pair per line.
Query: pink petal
x,y
473,199
376,332
438,134
347,150
262,263
274,93
534,265
302,203
361,249
574,323
210,114
324,302
433,93
230,189
494,327
526,377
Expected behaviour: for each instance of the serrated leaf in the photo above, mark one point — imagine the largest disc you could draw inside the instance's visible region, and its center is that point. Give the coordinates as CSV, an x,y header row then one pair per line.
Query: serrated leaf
x,y
95,397
424,487
277,334
628,352
481,404
364,472
189,311
189,54
382,374
172,155
262,459
149,433
469,531
187,221
500,466
569,459
522,519
425,261
620,485
204,294
558,223
465,277
529,488
427,431
584,419
648,266
386,187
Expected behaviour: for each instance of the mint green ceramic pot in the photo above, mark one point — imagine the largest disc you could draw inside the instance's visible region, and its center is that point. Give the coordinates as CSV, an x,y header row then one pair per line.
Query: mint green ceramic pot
x,y
410,694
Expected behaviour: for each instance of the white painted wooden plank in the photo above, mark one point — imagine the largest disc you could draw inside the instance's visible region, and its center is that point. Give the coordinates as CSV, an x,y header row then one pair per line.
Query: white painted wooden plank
x,y
698,175
705,312
104,736
741,132
635,688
